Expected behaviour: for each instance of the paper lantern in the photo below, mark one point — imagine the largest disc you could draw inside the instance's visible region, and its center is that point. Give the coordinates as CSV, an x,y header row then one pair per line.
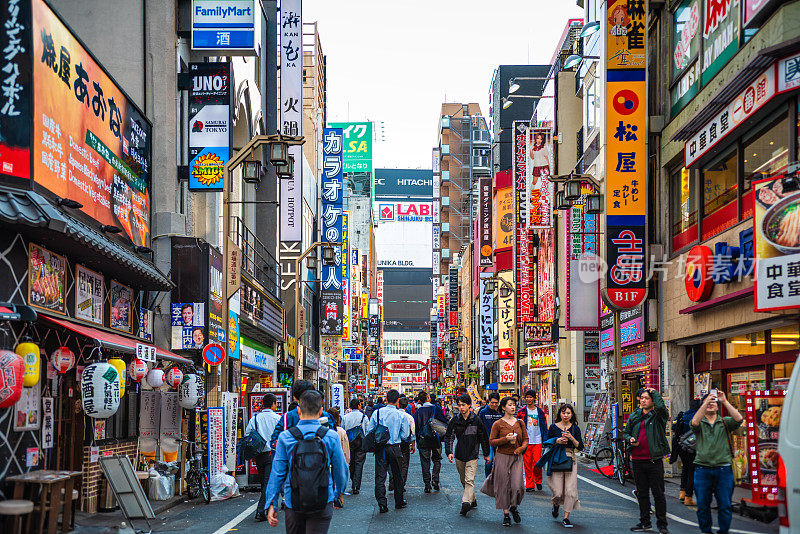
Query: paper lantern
x,y
100,390
137,370
190,392
31,357
62,359
155,378
174,377
12,370
119,365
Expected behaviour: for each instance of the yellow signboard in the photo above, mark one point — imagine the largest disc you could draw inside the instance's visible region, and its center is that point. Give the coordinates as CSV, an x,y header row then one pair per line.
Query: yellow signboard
x,y
626,34
626,170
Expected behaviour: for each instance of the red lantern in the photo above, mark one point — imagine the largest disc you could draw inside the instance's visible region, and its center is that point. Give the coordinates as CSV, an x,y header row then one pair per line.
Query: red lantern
x,y
62,359
137,370
174,377
12,369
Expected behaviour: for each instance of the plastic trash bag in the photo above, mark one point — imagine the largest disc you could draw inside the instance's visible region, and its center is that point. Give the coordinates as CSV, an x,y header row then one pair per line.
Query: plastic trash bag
x,y
223,486
159,487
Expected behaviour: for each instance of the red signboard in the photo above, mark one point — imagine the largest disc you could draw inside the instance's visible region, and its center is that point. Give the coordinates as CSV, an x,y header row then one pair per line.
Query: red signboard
x,y
524,274
404,366
764,410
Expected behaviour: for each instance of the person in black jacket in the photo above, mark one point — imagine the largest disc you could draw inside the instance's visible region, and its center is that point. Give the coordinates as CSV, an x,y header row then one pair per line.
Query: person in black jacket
x,y
430,448
468,429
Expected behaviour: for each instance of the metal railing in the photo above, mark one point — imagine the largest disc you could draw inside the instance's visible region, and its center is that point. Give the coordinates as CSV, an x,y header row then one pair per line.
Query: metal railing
x,y
256,258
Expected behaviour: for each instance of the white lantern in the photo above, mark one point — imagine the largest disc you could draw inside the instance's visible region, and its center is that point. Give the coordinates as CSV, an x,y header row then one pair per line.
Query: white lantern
x,y
174,377
100,390
190,391
62,359
155,378
137,370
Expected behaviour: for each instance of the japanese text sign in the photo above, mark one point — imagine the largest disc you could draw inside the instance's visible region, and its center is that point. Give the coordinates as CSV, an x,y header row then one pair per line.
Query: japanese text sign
x,y
485,321
485,228
357,151
538,170
583,292
291,102
92,144
332,193
227,25
626,37
626,179
523,247
777,245
16,100
209,124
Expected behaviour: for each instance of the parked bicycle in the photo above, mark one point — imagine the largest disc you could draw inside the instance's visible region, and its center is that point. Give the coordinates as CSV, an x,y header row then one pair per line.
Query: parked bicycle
x,y
614,461
196,476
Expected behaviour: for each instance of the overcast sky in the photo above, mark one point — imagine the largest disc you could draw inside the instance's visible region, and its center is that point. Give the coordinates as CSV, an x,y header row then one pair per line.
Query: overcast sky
x,y
396,61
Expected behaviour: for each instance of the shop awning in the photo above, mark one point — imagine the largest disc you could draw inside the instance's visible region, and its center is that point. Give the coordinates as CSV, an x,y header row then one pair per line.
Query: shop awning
x,y
114,341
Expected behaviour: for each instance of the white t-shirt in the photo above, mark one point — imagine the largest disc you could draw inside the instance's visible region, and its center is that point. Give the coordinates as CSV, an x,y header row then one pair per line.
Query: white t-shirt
x,y
532,424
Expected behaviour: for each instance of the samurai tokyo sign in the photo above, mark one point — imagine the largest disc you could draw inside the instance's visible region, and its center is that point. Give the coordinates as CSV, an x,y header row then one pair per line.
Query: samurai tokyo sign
x,y
332,282
626,153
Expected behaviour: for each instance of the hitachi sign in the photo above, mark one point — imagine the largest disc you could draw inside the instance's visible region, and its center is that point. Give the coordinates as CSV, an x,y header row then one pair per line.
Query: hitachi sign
x,y
413,181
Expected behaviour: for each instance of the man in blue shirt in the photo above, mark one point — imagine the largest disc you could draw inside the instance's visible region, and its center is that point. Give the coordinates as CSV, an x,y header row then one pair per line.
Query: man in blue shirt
x,y
290,418
390,456
265,422
310,406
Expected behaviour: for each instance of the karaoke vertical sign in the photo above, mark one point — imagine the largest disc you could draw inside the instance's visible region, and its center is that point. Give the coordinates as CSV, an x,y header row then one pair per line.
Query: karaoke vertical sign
x,y
331,299
626,153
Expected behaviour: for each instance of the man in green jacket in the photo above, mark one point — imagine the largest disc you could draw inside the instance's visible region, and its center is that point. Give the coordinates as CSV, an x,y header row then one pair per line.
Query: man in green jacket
x,y
646,434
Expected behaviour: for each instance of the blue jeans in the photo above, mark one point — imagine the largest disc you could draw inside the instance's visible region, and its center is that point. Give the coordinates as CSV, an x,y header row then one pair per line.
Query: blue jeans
x,y
716,481
488,467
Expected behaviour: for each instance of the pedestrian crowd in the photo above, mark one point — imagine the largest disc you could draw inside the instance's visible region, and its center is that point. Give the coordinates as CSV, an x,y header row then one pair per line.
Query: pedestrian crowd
x,y
306,456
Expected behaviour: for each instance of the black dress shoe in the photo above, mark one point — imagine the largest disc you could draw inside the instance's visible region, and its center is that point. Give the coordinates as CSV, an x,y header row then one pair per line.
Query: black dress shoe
x,y
506,520
427,489
474,504
382,508
515,514
261,517
435,486
530,490
354,492
401,505
465,507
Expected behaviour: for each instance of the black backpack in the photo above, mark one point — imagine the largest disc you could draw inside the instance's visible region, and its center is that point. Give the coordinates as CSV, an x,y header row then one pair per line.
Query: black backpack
x,y
355,434
377,438
310,472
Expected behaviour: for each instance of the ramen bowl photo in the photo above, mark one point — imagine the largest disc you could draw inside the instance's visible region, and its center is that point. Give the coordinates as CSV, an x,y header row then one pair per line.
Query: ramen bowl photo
x,y
781,224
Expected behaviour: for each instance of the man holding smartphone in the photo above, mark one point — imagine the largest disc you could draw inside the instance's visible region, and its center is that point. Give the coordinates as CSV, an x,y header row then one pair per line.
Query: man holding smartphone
x,y
712,464
645,432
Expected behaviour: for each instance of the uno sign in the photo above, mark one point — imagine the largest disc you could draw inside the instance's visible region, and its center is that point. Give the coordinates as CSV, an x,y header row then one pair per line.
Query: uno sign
x,y
399,366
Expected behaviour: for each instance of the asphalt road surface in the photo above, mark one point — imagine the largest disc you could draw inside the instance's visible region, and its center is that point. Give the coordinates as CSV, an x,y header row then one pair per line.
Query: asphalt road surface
x,y
606,507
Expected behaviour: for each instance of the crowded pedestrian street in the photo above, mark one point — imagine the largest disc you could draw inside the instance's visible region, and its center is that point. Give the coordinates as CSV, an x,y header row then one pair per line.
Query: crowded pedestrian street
x,y
356,266
606,508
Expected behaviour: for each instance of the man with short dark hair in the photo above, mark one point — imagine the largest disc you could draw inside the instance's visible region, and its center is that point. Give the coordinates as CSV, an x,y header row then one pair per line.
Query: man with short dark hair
x,y
352,421
471,435
292,416
390,456
407,445
488,415
536,425
646,432
428,442
264,422
310,410
713,473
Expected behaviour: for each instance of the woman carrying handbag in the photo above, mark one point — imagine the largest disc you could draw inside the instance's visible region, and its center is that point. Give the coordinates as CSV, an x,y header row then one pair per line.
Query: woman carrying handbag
x,y
564,484
506,482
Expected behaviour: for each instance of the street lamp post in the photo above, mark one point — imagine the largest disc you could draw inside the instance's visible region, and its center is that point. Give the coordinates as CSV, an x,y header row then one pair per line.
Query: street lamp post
x,y
278,144
297,290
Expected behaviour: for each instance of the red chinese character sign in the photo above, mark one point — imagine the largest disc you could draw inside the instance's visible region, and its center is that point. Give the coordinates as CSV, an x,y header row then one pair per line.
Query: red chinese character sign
x,y
626,153
524,267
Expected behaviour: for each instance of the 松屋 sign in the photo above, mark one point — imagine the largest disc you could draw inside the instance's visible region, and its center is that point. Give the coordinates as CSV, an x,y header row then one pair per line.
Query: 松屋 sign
x,y
224,25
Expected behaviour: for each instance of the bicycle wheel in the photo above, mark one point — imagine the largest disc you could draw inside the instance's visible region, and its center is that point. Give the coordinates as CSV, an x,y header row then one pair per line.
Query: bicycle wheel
x,y
620,468
205,487
192,485
604,462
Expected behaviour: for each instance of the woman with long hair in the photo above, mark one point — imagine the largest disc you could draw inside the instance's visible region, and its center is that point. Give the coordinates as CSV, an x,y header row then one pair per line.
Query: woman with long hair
x,y
506,482
564,484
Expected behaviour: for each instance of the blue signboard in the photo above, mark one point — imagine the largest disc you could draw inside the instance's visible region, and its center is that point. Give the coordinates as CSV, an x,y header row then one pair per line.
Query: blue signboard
x,y
227,25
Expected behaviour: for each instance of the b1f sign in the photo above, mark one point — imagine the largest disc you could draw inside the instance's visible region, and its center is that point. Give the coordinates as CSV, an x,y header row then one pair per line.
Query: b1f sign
x,y
227,25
